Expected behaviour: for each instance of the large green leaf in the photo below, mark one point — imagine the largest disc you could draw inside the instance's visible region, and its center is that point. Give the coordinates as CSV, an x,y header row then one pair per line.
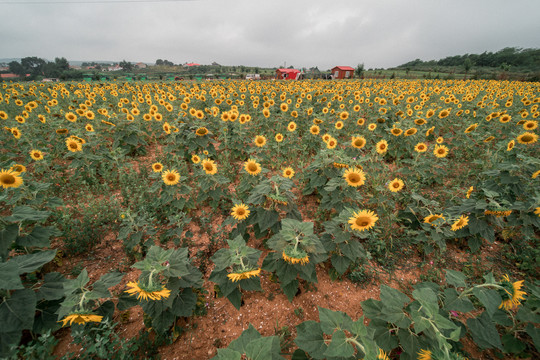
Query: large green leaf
x,y
332,320
241,343
32,262
453,302
310,338
21,213
39,237
455,278
101,287
267,218
265,348
392,298
17,312
339,347
534,333
484,333
7,237
340,263
227,354
7,340
489,298
53,286
9,276
184,303
428,299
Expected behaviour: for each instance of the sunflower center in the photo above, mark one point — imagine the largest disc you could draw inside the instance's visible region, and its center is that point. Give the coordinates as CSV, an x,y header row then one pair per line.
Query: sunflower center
x,y
527,138
252,167
354,178
382,147
73,145
359,143
240,212
7,179
362,221
396,185
208,167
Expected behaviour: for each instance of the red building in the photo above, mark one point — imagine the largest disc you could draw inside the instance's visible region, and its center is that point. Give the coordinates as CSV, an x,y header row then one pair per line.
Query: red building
x,y
287,74
342,72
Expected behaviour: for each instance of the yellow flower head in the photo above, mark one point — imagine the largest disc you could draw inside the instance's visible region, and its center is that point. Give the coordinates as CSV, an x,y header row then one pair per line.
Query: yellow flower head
x,y
80,319
10,179
240,211
171,177
363,220
252,167
354,177
432,219
292,260
512,294
460,223
136,289
236,276
396,185
288,172
209,167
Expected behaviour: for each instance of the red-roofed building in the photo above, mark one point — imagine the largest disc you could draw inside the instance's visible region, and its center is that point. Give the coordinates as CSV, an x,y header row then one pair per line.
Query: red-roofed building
x,y
11,76
192,64
287,74
342,72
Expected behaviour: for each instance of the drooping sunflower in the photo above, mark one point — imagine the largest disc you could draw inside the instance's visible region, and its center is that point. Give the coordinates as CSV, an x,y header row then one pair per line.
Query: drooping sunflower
x,y
240,211
512,294
288,172
236,276
201,131
279,137
382,355
471,128
358,142
209,166
73,145
36,155
411,132
460,223
382,147
420,147
145,294
170,177
363,220
424,355
260,141
440,151
527,138
252,167
354,177
396,185
302,260
10,179
469,192
18,168
80,319
157,167
432,219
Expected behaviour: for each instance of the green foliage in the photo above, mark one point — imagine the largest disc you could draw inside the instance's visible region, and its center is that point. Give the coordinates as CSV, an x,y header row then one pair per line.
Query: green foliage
x,y
251,345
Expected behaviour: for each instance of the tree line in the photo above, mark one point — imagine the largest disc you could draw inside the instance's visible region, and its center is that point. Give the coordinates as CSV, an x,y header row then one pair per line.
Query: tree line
x,y
35,67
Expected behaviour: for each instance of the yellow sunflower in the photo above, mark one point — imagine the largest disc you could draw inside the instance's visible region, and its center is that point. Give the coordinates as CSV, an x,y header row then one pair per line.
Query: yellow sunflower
x,y
260,141
288,172
510,145
363,220
431,219
292,126
209,166
292,260
469,192
343,115
527,138
89,128
80,319
424,355
360,122
512,293
170,177
530,125
234,277
240,211
471,128
396,131
537,211
372,127
358,142
201,131
535,174
135,288
382,147
18,168
279,137
354,177
440,151
339,125
196,159
16,133
36,155
331,144
157,167
315,130
411,132
420,147
252,167
460,223
10,179
382,355
71,117
73,145
396,185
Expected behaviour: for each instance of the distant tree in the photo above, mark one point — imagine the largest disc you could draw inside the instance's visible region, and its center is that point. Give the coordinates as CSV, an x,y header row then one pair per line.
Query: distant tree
x,y
16,68
467,64
126,65
359,70
33,65
168,63
159,62
61,63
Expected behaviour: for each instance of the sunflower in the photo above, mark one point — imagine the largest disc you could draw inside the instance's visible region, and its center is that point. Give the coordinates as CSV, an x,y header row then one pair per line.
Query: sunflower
x,y
240,211
284,107
36,155
80,319
339,125
3,115
537,211
469,192
382,355
505,118
396,185
145,294
512,293
89,115
396,131
292,126
358,142
354,177
170,177
73,145
209,166
279,137
71,117
440,151
10,179
471,128
252,167
331,144
295,260
201,131
288,172
489,139
196,159
62,131
315,130
439,140
420,147
460,223
18,168
535,174
372,126
16,133
157,167
443,114
510,145
234,277
420,121
530,125
431,219
363,220
411,132
89,128
343,115
260,141
360,122
382,147
424,355
527,138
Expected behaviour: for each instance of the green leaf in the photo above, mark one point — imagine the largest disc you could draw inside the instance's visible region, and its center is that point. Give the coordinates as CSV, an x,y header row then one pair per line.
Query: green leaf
x,y
241,343
53,286
17,312
9,276
428,299
484,333
101,287
339,347
340,263
21,213
512,345
227,354
267,218
489,298
371,308
332,320
455,278
7,237
310,338
290,289
383,337
7,341
71,285
392,298
32,262
453,302
39,237
534,333
408,342
265,348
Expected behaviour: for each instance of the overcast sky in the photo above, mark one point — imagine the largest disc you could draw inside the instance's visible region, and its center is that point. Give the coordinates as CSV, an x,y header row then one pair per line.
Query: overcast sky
x,y
302,33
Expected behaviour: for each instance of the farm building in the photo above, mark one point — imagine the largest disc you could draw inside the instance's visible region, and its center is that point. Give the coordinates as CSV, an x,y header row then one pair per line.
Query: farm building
x,y
287,74
342,72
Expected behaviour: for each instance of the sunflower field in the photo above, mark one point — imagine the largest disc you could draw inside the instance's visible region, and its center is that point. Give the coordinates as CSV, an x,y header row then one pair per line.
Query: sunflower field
x,y
169,198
